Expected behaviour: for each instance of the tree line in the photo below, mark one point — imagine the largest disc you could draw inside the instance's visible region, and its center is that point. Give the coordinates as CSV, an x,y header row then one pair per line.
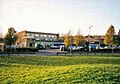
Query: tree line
x,y
110,38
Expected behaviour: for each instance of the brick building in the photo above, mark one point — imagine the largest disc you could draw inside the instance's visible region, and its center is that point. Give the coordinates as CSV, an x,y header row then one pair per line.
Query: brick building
x,y
1,42
29,38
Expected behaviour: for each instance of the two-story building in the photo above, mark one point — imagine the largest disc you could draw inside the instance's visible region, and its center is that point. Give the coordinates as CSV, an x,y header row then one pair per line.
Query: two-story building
x,y
30,38
1,42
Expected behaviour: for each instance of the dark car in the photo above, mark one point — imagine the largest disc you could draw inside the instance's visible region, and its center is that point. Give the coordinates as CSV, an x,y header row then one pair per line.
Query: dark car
x,y
41,47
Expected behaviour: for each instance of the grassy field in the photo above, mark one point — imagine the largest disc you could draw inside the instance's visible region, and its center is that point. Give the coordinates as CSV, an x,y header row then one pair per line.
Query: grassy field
x,y
59,69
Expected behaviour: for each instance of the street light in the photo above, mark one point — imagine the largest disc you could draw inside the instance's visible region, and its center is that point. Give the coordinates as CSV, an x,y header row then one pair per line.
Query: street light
x,y
89,40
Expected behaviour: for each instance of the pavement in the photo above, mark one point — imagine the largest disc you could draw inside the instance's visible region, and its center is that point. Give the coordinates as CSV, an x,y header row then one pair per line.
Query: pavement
x,y
47,52
54,52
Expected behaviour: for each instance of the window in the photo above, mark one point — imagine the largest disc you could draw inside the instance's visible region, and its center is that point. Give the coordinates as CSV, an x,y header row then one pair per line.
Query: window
x,y
52,36
41,35
30,44
46,39
37,39
45,35
32,34
27,34
36,34
52,39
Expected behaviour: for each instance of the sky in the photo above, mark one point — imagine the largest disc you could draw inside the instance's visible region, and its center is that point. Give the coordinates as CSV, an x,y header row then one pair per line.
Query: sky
x,y
60,16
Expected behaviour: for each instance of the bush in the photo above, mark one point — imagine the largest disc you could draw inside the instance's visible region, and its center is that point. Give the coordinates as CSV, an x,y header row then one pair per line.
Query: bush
x,y
107,50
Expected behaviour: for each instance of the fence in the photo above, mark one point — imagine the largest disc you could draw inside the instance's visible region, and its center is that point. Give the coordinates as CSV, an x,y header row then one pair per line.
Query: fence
x,y
54,54
86,53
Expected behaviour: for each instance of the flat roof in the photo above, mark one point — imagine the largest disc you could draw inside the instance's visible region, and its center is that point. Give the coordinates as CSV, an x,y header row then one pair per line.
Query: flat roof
x,y
40,33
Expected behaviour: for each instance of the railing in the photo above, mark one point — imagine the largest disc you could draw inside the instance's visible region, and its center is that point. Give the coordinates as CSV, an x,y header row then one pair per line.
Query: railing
x,y
54,54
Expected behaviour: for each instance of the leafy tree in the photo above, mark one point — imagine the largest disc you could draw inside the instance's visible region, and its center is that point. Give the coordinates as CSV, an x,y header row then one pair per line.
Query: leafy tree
x,y
119,32
79,39
116,39
11,36
68,39
108,39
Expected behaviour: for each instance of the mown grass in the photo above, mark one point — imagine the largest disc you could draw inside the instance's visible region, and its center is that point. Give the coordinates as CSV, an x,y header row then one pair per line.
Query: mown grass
x,y
59,60
59,69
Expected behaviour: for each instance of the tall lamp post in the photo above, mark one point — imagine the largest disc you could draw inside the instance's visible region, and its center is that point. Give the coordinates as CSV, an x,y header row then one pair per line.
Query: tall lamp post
x,y
89,39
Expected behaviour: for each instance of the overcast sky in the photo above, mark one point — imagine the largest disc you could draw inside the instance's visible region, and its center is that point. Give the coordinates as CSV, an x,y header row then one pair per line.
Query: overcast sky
x,y
60,16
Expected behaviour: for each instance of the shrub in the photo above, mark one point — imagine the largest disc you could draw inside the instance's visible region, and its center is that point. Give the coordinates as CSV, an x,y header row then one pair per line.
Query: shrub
x,y
107,50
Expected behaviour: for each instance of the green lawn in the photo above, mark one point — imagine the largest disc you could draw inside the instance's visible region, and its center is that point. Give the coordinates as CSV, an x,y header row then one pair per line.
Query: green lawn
x,y
59,69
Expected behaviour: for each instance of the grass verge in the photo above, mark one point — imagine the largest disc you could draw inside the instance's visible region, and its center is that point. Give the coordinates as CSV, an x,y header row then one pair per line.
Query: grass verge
x,y
57,70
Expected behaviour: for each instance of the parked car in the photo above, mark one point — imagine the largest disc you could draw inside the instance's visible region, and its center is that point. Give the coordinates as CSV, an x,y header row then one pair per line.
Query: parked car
x,y
80,48
55,46
118,47
41,47
63,48
75,48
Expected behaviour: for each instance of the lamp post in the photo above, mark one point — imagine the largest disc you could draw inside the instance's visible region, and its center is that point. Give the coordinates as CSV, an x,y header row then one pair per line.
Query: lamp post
x,y
89,47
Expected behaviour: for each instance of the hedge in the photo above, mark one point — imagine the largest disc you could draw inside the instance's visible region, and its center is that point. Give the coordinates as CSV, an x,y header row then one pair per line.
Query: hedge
x,y
21,50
